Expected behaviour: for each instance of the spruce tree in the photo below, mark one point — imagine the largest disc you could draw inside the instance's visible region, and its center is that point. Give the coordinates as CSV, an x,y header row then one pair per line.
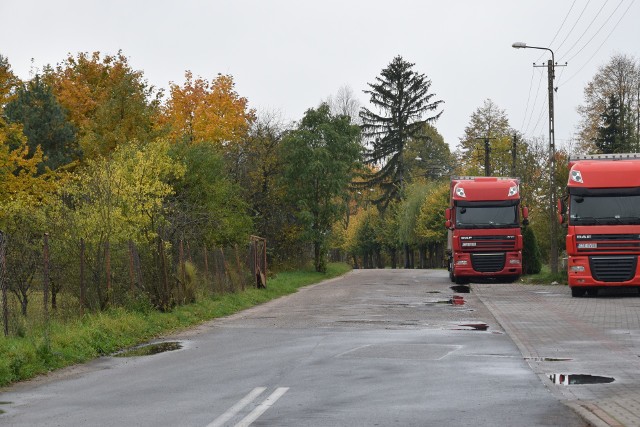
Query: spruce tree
x,y
400,97
44,123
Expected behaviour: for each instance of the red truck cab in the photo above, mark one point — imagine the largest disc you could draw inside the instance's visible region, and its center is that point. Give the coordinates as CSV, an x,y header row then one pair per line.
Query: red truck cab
x,y
484,237
602,213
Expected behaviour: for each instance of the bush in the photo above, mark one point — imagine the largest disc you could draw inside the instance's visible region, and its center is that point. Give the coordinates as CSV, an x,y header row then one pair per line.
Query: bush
x,y
531,257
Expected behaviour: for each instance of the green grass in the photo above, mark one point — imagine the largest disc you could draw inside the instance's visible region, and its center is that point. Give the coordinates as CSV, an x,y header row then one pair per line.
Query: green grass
x,y
64,343
545,277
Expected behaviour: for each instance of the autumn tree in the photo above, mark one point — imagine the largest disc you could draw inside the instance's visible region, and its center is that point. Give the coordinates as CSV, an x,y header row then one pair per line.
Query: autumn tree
x,y
108,101
619,80
428,156
24,223
488,122
320,157
615,133
207,207
18,163
44,123
199,110
257,169
430,221
115,199
400,97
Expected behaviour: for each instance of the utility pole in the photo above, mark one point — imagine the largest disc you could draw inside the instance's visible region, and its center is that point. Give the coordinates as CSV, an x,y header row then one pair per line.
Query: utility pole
x,y
513,155
553,256
553,244
487,154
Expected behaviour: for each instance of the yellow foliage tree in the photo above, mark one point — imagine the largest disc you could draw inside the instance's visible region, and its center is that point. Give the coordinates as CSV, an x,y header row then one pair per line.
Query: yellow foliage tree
x,y
108,101
18,166
201,111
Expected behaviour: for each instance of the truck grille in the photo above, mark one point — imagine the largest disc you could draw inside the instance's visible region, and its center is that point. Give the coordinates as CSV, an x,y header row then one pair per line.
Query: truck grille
x,y
488,263
488,243
613,268
608,243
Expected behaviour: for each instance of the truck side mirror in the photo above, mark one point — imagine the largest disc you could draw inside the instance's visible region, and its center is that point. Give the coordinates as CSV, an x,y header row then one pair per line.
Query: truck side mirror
x,y
447,214
448,223
525,215
561,209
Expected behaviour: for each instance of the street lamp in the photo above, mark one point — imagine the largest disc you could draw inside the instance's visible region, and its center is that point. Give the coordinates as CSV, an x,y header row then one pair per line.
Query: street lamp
x,y
552,151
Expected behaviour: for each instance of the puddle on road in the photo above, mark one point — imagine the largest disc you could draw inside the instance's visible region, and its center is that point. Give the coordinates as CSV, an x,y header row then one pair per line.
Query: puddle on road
x,y
461,289
548,359
473,327
150,349
433,292
4,403
579,379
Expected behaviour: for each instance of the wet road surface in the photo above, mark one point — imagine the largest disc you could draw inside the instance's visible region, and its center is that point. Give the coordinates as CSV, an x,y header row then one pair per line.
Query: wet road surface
x,y
373,348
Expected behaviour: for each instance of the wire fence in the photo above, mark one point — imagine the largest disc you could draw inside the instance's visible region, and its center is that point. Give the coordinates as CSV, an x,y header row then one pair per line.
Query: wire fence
x,y
45,278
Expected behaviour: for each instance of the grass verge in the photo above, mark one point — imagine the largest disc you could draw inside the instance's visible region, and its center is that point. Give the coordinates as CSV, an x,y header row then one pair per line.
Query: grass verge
x,y
545,277
67,343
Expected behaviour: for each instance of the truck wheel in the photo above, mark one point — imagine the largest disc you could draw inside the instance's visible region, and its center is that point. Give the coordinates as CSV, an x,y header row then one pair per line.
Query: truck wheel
x,y
577,291
451,276
592,292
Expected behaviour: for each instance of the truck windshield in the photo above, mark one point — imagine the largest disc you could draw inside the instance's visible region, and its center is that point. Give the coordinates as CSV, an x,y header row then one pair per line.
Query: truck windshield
x,y
486,216
604,210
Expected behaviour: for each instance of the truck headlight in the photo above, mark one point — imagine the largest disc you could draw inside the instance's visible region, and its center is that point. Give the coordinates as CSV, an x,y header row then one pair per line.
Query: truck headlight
x,y
577,268
514,261
462,262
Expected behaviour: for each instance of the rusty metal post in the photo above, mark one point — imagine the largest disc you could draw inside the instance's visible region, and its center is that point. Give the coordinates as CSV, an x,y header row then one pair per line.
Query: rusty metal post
x,y
108,268
82,295
3,286
183,274
45,286
206,264
131,275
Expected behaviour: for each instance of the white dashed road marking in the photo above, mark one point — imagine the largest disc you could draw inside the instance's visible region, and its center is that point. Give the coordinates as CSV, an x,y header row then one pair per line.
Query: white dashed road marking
x,y
231,412
260,409
253,415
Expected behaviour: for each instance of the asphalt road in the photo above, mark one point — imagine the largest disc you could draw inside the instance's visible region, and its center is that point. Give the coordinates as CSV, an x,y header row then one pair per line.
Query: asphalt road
x,y
373,348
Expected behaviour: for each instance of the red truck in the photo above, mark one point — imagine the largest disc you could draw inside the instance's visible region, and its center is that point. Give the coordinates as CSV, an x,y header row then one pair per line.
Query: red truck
x,y
602,213
484,237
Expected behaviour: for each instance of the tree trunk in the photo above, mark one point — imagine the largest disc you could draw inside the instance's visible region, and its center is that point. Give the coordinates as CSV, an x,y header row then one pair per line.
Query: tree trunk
x,y
407,257
24,301
394,257
423,256
379,259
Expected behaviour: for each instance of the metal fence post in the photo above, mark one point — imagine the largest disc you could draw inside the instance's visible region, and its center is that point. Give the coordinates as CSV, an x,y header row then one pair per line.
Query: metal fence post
x,y
3,285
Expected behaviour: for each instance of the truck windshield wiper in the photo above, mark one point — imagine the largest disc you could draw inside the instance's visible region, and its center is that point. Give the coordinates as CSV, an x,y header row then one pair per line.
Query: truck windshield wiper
x,y
623,220
587,220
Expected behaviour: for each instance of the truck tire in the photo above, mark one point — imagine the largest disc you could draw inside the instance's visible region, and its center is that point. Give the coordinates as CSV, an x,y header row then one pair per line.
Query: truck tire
x,y
452,278
577,291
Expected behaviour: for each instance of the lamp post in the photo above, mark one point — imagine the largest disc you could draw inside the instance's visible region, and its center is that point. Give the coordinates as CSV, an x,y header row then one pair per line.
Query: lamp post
x,y
553,261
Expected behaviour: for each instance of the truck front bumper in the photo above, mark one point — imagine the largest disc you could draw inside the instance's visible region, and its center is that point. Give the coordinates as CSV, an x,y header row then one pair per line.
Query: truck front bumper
x,y
463,265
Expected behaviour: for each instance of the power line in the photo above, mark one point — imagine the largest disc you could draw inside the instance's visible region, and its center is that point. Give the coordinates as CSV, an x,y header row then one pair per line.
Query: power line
x,y
560,28
588,26
542,111
535,101
601,44
574,25
599,29
561,25
526,110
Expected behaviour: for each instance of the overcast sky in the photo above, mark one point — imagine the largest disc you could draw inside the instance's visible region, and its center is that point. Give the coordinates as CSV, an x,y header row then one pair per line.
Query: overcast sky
x,y
288,55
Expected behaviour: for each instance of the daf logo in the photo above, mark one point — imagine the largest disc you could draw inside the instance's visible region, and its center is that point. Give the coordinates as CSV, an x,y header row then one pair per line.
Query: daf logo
x,y
583,236
466,237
